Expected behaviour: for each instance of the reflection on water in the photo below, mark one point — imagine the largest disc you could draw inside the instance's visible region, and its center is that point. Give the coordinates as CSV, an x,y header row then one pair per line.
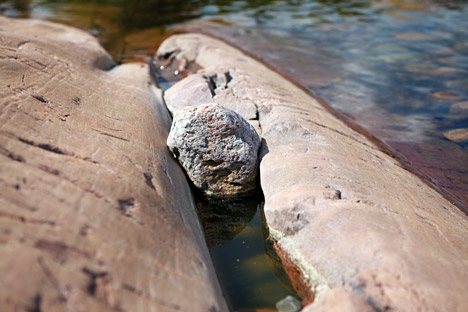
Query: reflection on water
x,y
222,220
397,67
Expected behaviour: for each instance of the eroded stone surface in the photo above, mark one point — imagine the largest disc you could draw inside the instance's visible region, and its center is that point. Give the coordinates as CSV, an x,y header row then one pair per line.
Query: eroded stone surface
x,y
344,212
211,86
95,214
217,148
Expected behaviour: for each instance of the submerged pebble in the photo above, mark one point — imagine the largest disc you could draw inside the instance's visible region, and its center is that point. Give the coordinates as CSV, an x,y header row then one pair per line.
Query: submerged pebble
x,y
289,304
459,108
457,135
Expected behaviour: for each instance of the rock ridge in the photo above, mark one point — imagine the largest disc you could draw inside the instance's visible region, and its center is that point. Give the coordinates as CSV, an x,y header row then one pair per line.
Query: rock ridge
x,y
95,214
346,214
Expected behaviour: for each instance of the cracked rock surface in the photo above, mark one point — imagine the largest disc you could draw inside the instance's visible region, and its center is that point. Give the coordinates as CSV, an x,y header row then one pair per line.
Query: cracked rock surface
x,y
217,148
95,214
362,232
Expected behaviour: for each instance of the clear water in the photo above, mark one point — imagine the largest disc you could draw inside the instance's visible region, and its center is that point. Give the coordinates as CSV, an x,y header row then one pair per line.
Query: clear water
x,y
396,67
393,66
247,266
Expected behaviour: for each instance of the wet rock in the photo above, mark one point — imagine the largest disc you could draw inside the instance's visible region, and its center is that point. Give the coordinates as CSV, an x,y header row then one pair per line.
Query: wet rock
x,y
217,148
459,108
457,135
444,96
289,304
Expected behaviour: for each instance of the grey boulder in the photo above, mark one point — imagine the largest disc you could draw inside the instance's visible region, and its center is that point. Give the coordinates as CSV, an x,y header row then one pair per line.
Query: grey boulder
x,y
217,148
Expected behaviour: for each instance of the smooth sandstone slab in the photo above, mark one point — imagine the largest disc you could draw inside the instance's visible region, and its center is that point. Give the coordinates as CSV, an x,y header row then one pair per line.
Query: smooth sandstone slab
x,y
95,214
342,211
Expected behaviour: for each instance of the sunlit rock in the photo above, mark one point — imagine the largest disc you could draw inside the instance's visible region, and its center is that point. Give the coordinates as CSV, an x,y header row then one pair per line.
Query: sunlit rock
x,y
341,211
339,300
95,214
191,91
217,148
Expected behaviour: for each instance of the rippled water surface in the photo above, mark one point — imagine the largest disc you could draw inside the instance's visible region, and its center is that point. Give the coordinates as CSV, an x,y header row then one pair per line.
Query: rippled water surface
x,y
399,68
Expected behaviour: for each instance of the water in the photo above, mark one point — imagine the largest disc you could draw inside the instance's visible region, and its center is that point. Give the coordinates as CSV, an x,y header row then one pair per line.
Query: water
x,y
395,67
247,266
398,68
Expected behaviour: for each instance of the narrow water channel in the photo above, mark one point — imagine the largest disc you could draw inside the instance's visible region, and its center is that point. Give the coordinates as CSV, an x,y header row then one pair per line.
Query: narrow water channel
x,y
250,273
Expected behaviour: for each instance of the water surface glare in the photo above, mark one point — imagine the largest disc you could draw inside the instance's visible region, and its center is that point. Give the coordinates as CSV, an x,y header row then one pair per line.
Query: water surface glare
x,y
399,68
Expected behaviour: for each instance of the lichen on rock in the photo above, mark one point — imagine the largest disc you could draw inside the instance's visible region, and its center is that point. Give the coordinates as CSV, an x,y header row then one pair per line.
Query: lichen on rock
x,y
217,148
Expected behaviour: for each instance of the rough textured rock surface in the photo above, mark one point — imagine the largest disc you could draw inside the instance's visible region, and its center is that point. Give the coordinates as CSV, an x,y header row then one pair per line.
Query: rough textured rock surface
x,y
217,148
210,85
344,212
95,214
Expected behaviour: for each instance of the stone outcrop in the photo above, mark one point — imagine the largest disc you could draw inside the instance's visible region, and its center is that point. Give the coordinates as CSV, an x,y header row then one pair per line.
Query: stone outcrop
x,y
217,148
95,214
206,85
192,91
343,211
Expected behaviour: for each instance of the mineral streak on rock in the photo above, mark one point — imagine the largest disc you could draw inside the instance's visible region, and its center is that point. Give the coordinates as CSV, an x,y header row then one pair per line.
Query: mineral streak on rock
x,y
217,148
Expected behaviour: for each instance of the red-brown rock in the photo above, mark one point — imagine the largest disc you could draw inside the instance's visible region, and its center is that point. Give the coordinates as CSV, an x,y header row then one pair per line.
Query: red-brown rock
x,y
95,214
344,212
